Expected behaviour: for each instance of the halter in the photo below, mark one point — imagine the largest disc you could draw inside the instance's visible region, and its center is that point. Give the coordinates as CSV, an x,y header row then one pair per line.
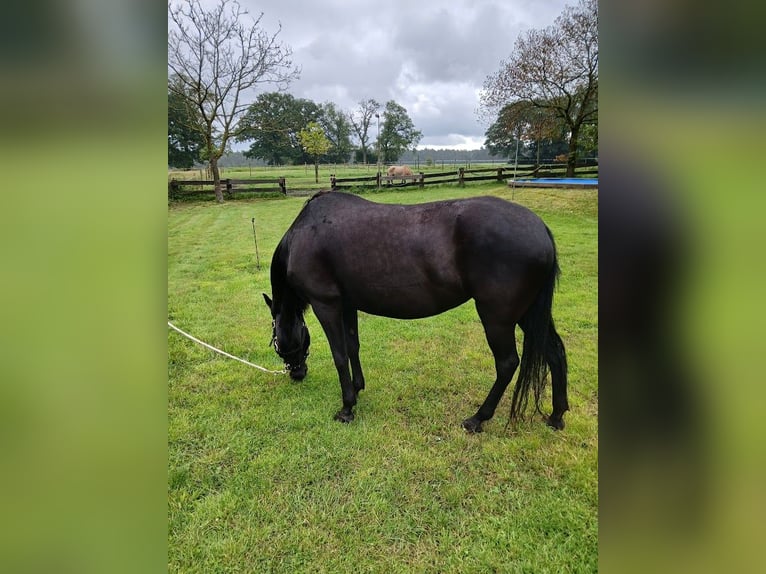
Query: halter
x,y
276,344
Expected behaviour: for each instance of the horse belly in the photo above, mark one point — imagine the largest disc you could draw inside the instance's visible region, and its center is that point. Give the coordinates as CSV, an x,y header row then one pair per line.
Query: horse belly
x,y
408,303
406,292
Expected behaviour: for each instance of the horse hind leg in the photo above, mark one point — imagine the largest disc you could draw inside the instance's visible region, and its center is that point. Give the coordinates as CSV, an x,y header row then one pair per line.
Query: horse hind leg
x,y
555,355
502,341
544,352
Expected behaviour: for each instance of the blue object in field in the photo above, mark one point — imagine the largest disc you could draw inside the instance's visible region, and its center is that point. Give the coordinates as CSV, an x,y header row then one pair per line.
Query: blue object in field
x,y
556,182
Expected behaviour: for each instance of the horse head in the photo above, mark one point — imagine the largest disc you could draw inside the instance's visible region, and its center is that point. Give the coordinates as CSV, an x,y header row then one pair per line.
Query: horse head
x,y
290,337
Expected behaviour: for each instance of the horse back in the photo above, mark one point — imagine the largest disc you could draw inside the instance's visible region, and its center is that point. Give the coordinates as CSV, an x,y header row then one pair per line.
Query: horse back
x,y
411,260
490,225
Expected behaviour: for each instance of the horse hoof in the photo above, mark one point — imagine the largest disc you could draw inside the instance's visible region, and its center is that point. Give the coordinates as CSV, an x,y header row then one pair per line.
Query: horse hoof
x,y
472,425
556,424
344,417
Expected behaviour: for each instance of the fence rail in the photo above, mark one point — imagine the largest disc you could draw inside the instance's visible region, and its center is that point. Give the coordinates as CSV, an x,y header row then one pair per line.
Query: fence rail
x,y
179,187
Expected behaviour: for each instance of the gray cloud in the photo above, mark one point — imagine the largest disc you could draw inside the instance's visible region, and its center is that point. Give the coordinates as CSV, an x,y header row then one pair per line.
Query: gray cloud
x,y
431,56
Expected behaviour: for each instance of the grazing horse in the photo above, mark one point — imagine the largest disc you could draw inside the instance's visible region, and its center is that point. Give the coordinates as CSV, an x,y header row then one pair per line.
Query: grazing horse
x,y
344,254
399,171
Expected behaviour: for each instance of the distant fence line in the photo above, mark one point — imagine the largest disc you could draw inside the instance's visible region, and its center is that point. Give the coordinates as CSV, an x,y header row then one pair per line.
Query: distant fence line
x,y
461,176
178,188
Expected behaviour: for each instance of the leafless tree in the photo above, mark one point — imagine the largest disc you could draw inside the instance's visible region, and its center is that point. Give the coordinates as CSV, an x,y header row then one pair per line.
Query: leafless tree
x,y
360,120
215,57
556,69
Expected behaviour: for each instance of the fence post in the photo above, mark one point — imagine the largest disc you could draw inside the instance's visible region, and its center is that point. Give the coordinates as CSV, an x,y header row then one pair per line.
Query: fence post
x,y
377,179
333,183
422,176
228,187
500,174
460,177
172,188
282,185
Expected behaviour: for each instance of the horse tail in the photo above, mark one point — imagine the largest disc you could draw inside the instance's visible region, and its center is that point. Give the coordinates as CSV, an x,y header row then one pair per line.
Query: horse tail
x,y
542,345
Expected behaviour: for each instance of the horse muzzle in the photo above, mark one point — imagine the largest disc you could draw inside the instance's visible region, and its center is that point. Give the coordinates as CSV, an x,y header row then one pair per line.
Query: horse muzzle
x,y
298,373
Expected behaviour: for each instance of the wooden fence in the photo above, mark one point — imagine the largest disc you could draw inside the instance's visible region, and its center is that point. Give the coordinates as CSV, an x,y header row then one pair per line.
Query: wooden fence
x,y
180,187
183,188
378,180
461,176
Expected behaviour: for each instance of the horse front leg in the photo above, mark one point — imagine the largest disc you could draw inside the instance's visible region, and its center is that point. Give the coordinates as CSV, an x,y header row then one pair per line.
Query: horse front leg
x,y
330,316
351,324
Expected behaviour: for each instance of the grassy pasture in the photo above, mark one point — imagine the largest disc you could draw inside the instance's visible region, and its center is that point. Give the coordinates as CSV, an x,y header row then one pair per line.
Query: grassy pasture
x,y
261,479
301,172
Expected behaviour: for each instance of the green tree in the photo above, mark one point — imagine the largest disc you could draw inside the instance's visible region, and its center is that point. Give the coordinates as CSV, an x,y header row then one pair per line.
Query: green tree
x,y
316,144
589,138
500,140
218,55
337,128
398,133
360,120
185,141
272,124
555,69
522,122
365,158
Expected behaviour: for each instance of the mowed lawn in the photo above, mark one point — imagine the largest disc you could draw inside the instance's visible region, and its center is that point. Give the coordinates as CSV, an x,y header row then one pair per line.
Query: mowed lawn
x,y
262,479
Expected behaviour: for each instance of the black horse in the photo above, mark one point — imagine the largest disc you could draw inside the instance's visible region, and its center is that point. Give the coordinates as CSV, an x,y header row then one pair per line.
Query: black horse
x,y
344,254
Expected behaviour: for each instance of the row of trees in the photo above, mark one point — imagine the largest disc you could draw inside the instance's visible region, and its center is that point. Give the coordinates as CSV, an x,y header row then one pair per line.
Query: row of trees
x,y
272,126
282,129
219,57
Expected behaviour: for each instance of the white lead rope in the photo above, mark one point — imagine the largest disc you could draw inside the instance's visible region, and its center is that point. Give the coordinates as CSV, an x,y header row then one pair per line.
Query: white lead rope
x,y
224,353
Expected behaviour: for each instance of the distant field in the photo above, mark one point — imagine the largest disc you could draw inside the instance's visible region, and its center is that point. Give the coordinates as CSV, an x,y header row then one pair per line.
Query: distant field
x,y
302,177
325,170
262,479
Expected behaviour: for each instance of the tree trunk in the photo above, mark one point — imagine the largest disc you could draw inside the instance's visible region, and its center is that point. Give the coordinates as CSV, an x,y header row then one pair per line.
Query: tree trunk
x,y
572,155
216,179
316,171
537,161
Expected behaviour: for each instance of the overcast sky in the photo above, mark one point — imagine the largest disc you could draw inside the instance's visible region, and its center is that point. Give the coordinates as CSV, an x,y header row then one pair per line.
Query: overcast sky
x,y
430,56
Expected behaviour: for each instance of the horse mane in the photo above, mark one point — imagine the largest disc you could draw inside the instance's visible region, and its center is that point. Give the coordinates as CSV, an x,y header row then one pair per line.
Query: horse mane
x,y
310,199
303,210
285,297
317,194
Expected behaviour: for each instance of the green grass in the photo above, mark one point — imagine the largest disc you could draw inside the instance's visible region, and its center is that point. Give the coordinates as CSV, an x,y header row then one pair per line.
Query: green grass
x,y
261,479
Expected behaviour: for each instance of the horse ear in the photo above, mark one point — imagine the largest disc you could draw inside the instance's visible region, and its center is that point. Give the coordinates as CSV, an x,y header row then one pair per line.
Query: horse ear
x,y
268,301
